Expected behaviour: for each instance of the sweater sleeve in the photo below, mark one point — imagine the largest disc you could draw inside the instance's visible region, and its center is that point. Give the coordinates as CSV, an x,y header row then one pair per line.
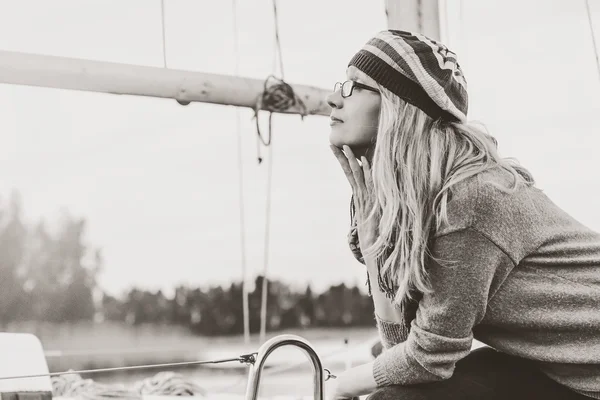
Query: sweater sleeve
x,y
390,333
466,266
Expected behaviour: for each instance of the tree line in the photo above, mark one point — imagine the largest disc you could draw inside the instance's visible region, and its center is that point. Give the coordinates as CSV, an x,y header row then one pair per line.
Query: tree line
x,y
52,276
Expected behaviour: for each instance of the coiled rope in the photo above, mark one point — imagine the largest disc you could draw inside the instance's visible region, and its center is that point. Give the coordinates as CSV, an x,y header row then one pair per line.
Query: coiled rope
x,y
277,96
73,385
169,384
162,384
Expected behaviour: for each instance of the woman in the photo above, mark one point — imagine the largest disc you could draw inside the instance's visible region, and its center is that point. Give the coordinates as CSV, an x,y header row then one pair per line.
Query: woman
x,y
458,243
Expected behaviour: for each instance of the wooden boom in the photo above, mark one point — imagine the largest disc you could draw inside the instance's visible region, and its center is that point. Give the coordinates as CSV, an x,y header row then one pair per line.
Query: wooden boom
x,y
107,77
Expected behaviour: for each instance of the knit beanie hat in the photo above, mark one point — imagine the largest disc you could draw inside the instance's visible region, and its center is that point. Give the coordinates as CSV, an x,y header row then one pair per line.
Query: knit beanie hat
x,y
417,69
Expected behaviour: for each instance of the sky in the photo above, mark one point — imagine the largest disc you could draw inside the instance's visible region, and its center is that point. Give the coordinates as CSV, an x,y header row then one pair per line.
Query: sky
x,y
158,183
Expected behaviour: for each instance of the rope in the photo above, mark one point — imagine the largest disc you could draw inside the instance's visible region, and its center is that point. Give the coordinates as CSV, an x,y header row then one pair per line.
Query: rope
x,y
272,98
164,41
162,384
168,384
277,41
246,358
164,44
589,13
245,306
263,308
277,96
74,386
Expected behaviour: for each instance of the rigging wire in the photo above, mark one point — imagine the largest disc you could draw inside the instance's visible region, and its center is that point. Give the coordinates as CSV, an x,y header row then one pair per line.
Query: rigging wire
x,y
589,14
246,358
277,52
164,41
245,305
264,291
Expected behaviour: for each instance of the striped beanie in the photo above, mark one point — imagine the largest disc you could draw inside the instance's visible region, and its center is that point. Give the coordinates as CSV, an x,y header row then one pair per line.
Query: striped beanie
x,y
417,69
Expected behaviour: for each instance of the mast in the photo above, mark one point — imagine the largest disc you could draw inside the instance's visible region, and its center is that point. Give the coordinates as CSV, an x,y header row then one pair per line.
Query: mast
x,y
420,16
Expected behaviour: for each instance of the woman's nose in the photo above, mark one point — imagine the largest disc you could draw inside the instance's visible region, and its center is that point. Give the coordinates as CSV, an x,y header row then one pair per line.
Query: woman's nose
x,y
335,99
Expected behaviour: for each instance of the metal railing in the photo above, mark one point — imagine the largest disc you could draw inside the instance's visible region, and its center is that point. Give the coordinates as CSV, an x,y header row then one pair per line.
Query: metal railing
x,y
255,361
256,368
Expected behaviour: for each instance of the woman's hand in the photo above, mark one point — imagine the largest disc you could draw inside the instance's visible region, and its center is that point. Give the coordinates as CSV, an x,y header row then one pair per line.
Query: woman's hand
x,y
335,392
352,383
361,181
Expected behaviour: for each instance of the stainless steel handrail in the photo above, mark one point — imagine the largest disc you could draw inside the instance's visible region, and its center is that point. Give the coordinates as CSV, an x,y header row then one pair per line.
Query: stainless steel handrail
x,y
268,347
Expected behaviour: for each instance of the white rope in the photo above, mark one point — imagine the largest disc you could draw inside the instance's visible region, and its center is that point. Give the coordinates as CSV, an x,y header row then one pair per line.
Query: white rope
x,y
74,386
245,306
164,40
168,383
589,14
164,383
263,304
263,308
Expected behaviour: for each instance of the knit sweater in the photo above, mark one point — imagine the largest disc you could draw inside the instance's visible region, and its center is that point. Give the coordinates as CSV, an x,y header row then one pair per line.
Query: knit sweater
x,y
513,271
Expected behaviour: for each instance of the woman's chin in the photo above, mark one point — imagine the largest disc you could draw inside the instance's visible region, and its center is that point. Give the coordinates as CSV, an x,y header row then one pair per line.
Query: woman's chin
x,y
336,139
339,141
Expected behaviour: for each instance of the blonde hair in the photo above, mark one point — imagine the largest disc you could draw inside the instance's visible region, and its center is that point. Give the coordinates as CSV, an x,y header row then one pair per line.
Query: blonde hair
x,y
416,162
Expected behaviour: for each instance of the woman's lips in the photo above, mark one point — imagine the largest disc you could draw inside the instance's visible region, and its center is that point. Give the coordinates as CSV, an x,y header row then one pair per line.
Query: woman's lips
x,y
335,121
